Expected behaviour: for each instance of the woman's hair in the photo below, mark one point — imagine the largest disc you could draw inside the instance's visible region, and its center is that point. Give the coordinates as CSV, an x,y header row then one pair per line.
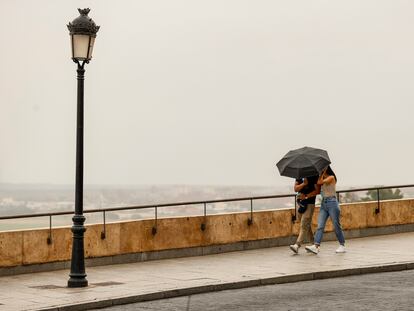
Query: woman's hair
x,y
330,172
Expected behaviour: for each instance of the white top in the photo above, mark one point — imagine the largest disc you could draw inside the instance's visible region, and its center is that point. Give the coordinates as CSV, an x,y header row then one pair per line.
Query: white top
x,y
329,190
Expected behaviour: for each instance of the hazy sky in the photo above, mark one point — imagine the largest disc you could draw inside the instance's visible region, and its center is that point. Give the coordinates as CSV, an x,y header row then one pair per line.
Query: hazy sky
x,y
209,92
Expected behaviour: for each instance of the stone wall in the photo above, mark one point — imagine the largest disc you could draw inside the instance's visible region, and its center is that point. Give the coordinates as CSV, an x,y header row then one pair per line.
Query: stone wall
x,y
28,247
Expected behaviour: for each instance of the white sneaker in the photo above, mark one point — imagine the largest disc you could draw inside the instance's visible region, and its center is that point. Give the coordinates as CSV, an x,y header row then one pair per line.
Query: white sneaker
x,y
312,249
294,248
340,249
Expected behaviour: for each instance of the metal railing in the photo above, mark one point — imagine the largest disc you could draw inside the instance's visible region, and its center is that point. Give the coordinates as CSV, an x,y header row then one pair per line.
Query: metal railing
x,y
202,203
378,189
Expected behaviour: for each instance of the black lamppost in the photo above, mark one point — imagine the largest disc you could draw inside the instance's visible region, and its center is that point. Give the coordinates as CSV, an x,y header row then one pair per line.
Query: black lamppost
x,y
83,33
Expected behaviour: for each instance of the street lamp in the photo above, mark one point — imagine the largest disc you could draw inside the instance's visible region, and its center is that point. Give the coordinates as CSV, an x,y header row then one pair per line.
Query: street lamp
x,y
82,33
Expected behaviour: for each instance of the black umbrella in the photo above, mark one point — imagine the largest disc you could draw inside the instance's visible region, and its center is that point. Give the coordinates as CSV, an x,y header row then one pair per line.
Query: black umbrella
x,y
303,162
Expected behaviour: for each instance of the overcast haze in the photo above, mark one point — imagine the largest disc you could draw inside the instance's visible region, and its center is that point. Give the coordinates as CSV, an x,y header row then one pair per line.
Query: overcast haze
x,y
208,92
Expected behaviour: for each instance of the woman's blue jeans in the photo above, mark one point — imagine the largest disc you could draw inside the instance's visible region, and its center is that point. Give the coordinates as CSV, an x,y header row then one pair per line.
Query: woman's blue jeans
x,y
329,208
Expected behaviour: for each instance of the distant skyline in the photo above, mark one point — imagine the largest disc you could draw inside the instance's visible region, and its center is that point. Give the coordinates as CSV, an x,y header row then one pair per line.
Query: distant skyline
x,y
208,92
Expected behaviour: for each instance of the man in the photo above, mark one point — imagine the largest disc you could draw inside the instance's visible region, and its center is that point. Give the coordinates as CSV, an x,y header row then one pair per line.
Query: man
x,y
308,189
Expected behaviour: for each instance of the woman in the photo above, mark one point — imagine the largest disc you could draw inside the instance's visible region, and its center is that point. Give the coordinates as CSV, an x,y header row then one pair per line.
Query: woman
x,y
329,208
309,189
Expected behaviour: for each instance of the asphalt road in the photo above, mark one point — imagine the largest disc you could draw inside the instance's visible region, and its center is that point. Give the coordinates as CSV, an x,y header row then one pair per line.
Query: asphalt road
x,y
382,291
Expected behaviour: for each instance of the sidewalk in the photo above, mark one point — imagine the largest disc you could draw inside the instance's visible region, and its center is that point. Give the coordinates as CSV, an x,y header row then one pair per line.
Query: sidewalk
x,y
111,285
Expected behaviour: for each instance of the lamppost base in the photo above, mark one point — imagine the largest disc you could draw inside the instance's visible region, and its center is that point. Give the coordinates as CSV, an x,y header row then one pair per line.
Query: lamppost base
x,y
77,282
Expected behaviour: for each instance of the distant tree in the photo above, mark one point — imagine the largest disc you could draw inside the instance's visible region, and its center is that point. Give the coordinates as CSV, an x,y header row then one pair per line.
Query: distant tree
x,y
348,197
384,194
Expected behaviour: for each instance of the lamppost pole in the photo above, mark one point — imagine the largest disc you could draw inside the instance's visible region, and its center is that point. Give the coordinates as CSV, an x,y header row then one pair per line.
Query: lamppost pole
x,y
77,266
83,32
79,142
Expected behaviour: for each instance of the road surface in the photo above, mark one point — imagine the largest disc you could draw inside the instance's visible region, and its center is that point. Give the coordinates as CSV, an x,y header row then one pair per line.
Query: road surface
x,y
382,291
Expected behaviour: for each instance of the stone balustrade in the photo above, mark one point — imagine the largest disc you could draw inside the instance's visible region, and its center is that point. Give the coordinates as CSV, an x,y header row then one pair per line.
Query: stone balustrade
x,y
29,247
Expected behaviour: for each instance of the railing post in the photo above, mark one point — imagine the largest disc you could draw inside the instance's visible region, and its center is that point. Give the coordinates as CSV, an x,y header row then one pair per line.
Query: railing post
x,y
49,238
250,220
203,225
154,228
377,209
103,233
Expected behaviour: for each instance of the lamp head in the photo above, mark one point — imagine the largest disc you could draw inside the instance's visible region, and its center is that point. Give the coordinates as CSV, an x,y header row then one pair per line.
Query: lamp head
x,y
82,31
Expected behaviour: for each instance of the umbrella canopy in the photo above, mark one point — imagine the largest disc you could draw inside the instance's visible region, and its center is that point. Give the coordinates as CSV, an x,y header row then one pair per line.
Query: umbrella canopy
x,y
303,162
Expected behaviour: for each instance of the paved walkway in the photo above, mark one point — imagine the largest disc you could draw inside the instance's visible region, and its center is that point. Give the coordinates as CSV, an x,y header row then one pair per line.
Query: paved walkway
x,y
111,285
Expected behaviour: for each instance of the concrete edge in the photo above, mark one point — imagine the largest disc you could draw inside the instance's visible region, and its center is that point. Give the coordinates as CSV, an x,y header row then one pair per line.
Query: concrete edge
x,y
233,285
200,250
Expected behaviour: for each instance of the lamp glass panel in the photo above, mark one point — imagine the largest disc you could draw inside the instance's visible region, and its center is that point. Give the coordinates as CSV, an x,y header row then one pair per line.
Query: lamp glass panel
x,y
91,47
80,46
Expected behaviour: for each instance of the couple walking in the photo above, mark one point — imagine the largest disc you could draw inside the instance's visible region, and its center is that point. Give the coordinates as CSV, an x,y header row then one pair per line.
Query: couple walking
x,y
308,188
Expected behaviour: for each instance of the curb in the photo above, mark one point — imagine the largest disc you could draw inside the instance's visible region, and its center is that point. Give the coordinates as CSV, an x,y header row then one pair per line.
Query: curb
x,y
233,285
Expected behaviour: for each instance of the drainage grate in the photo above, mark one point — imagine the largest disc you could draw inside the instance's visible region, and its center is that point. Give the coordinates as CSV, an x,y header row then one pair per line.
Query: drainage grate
x,y
46,286
107,283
